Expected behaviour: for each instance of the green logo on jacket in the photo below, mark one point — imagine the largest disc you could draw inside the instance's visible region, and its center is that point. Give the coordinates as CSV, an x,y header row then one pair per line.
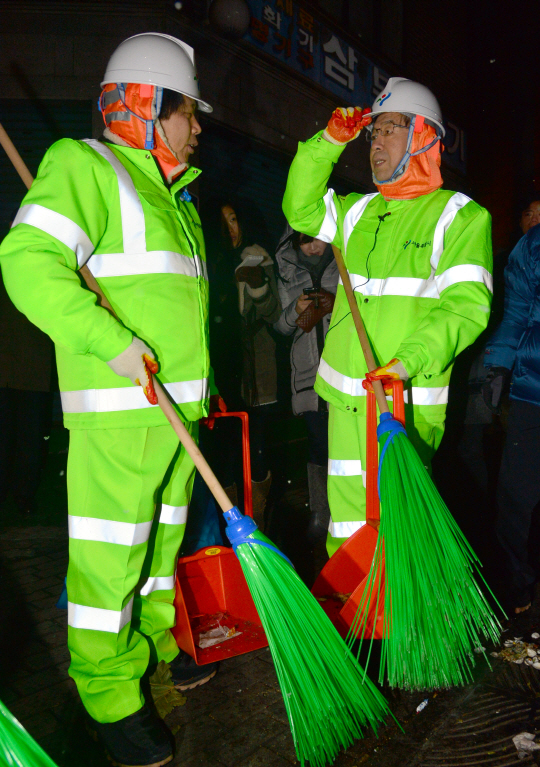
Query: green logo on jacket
x,y
416,244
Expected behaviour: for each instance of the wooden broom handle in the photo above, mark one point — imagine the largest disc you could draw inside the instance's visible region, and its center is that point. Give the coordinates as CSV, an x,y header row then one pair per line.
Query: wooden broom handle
x,y
163,400
191,448
27,178
378,388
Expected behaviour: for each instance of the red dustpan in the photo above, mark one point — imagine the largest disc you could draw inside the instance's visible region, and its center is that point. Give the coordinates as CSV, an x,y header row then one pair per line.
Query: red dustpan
x,y
342,581
211,591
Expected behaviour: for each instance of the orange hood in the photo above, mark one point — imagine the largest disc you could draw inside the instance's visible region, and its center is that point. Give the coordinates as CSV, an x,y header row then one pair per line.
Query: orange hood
x,y
422,175
142,129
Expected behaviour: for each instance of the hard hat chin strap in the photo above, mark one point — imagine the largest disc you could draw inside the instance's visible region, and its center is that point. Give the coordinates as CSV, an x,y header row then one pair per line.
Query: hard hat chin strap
x,y
401,167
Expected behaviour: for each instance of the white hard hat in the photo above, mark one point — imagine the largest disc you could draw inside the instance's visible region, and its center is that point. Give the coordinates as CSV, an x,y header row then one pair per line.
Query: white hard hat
x,y
155,59
406,96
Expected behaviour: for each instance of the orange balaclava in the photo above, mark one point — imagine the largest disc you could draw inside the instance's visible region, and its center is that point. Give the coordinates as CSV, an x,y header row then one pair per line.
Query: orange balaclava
x,y
422,173
130,114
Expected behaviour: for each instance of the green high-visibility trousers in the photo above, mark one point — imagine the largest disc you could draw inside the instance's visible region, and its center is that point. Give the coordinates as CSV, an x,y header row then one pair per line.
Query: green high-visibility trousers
x,y
347,467
128,494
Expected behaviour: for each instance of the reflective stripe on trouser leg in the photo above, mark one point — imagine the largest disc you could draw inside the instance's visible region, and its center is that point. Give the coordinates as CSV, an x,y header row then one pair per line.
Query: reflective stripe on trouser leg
x,y
346,474
114,477
153,609
347,464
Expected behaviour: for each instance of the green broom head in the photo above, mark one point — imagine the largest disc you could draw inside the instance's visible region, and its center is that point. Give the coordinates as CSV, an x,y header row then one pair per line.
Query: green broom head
x,y
435,611
17,747
327,696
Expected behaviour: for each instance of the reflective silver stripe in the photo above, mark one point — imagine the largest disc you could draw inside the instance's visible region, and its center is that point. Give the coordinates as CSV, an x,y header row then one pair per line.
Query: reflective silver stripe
x,y
424,395
351,386
345,468
353,215
129,398
122,116
131,210
173,515
454,204
418,288
329,225
99,619
57,225
110,97
108,531
343,529
151,262
157,583
394,286
464,273
417,395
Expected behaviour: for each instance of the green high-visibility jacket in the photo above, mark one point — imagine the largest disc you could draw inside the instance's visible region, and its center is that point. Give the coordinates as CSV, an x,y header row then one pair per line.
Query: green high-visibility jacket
x,y
421,271
107,206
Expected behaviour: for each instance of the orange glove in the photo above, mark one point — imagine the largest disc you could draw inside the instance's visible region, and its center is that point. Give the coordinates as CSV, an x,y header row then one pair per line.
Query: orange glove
x,y
392,371
345,124
137,363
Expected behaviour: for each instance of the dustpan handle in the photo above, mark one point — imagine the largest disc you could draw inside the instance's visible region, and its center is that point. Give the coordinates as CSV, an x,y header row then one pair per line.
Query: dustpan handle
x,y
191,448
378,388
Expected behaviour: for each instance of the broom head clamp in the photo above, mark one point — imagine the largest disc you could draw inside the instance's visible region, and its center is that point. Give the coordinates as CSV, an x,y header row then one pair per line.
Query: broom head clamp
x,y
238,525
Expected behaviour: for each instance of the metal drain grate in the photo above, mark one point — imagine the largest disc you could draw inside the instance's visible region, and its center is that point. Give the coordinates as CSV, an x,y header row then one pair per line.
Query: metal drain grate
x,y
480,731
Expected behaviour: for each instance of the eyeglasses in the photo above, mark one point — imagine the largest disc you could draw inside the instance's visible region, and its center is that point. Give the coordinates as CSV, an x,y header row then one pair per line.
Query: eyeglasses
x,y
386,130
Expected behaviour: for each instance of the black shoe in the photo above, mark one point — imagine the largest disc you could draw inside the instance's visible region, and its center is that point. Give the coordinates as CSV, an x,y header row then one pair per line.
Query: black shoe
x,y
138,740
185,673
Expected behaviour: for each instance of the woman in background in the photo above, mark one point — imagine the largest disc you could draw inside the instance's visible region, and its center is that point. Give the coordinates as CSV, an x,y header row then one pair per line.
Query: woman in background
x,y
308,278
244,303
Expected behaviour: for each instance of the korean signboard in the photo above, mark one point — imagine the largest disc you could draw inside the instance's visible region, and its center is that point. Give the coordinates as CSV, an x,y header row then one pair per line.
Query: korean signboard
x,y
291,34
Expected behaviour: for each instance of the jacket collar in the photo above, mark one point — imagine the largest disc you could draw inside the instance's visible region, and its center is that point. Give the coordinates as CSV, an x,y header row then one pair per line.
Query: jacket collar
x,y
145,162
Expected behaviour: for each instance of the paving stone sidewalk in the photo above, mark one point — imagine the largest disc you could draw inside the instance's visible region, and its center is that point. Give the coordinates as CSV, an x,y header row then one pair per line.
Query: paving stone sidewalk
x,y
236,720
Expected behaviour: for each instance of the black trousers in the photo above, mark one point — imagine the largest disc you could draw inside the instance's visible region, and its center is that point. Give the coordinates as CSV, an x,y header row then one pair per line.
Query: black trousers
x,y
518,493
24,418
317,429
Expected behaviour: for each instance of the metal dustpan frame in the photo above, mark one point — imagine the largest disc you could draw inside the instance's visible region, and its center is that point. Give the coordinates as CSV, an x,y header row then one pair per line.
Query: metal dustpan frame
x,y
347,571
211,581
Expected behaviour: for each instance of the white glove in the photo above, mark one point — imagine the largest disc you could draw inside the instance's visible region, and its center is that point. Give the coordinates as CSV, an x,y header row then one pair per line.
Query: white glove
x,y
137,363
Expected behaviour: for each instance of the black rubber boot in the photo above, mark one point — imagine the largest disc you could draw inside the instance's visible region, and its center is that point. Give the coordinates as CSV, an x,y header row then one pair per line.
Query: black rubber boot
x,y
318,502
186,674
138,740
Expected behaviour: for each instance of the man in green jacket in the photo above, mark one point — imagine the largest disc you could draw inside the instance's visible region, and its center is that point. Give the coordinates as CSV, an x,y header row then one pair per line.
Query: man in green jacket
x,y
121,207
419,259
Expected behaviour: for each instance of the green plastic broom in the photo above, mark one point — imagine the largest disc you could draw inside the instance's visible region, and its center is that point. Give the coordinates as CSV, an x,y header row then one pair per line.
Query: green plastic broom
x,y
327,696
435,612
17,747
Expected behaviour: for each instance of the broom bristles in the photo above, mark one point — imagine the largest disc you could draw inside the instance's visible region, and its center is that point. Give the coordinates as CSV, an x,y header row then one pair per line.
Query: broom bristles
x,y
435,613
327,697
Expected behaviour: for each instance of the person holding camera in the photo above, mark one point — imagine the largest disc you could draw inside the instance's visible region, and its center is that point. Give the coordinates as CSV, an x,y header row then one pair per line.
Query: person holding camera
x,y
307,284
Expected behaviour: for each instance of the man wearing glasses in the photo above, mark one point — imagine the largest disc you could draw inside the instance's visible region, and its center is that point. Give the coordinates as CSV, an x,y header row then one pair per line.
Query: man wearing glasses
x,y
419,259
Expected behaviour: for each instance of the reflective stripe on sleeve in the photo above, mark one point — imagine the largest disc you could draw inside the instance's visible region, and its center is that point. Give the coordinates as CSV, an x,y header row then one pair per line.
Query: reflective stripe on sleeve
x,y
418,288
353,215
329,225
99,619
346,468
131,210
454,204
108,531
129,398
417,395
464,273
343,529
158,583
173,515
57,225
152,262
